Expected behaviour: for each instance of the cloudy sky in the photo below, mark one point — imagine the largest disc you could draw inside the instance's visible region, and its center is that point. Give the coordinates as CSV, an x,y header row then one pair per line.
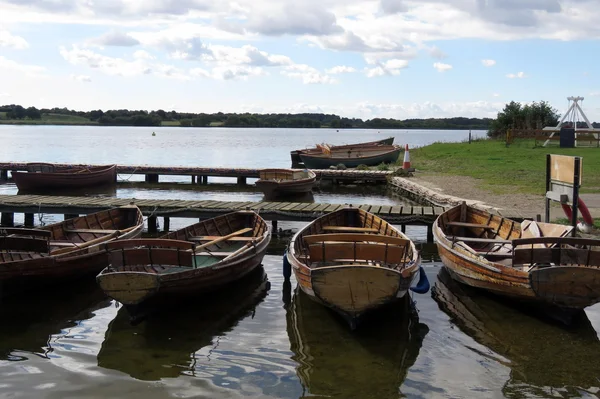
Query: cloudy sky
x,y
357,58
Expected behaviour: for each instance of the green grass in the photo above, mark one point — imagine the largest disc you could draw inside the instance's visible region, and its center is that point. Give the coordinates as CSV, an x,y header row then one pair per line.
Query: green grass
x,y
170,123
216,124
520,166
49,119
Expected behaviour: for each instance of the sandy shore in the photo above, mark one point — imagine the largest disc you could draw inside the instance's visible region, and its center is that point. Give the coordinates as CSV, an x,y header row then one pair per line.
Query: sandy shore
x,y
514,204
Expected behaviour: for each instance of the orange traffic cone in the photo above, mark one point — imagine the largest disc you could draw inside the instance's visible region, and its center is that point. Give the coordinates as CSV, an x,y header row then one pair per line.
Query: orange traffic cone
x,y
406,163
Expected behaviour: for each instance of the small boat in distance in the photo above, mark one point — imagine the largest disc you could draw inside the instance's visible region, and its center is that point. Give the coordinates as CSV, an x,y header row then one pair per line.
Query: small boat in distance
x,y
197,259
43,176
353,262
30,258
535,263
281,182
295,155
351,157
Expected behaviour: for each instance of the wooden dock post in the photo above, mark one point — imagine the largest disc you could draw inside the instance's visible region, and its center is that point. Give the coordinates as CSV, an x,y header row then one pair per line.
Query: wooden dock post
x,y
429,233
68,216
152,225
29,220
193,179
166,224
274,225
204,180
241,181
7,219
403,228
4,174
151,178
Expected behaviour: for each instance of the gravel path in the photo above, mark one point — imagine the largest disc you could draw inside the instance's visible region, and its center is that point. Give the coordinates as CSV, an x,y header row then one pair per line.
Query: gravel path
x,y
515,204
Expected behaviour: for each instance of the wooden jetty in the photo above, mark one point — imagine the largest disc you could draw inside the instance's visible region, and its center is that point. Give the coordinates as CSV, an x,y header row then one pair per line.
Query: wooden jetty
x,y
200,175
273,211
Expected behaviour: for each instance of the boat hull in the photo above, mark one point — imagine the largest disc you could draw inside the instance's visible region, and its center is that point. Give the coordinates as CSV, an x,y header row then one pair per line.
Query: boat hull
x,y
351,290
295,155
20,275
273,189
531,271
136,275
324,162
99,176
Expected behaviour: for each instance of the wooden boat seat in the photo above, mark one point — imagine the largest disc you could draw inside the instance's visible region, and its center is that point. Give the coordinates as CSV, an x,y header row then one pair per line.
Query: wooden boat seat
x,y
474,225
350,229
212,238
325,252
215,254
92,231
355,237
224,238
481,240
24,232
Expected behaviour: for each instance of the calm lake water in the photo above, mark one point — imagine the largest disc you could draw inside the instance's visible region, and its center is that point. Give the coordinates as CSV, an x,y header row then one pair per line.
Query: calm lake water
x,y
261,338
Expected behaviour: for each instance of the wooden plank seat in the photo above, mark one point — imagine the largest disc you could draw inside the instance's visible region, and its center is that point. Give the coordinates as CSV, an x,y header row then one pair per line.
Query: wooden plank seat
x,y
355,237
212,238
481,240
474,225
91,231
351,229
215,254
325,252
224,238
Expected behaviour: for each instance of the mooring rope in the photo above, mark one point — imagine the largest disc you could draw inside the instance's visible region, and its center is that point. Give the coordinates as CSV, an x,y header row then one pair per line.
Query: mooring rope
x,y
130,176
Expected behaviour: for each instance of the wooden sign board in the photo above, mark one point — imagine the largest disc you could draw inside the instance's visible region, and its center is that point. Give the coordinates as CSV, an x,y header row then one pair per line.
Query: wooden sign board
x,y
562,169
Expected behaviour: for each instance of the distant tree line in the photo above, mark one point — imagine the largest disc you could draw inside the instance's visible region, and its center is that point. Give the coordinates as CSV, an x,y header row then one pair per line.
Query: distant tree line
x,y
123,117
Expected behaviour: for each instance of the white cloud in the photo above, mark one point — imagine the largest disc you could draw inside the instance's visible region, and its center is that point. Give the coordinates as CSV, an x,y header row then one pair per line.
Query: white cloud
x,y
495,95
340,69
4,94
234,72
441,67
9,40
488,63
436,52
81,78
108,65
143,55
290,18
390,67
518,75
115,38
595,93
30,70
307,74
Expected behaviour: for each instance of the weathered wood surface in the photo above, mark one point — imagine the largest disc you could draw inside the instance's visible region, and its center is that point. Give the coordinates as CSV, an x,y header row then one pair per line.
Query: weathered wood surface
x,y
193,208
379,175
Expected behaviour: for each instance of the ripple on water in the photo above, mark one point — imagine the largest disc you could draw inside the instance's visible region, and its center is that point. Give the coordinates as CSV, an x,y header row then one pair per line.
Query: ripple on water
x,y
264,339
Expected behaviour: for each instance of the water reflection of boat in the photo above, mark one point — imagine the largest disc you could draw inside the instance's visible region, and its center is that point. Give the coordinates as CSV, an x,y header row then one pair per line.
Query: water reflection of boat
x,y
334,362
27,323
541,355
164,344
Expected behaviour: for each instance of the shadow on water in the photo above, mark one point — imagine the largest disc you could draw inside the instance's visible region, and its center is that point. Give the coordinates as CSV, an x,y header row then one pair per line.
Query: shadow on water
x,y
28,322
545,359
164,344
334,362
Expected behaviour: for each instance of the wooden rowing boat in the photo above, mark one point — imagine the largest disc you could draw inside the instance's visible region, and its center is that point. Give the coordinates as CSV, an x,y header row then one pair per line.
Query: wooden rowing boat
x,y
47,176
63,251
295,155
199,258
535,352
351,157
282,182
171,344
353,262
381,354
531,261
